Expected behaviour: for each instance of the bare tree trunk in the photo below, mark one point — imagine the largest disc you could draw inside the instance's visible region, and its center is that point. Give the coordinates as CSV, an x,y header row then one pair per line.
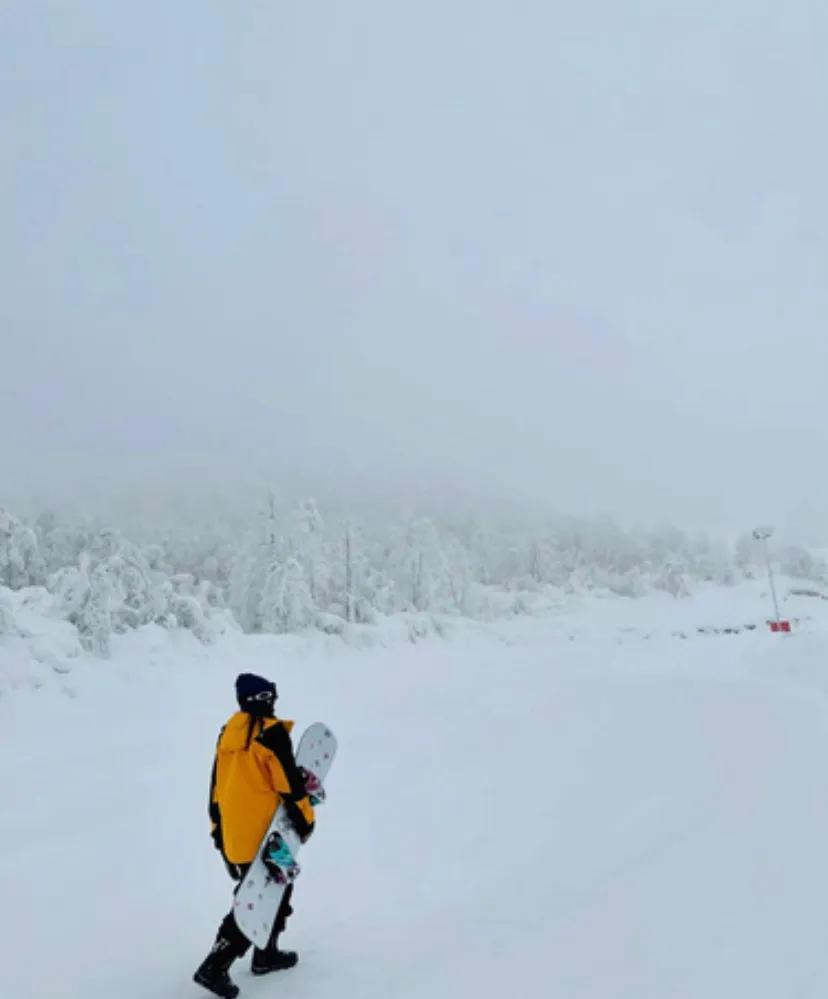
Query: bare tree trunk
x,y
534,570
349,577
271,517
417,583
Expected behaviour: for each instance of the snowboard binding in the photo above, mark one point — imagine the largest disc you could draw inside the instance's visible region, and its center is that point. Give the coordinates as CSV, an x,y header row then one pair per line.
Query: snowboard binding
x,y
313,786
279,861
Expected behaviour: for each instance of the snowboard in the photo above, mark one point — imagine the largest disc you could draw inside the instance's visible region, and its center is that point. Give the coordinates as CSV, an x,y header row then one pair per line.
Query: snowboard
x,y
260,892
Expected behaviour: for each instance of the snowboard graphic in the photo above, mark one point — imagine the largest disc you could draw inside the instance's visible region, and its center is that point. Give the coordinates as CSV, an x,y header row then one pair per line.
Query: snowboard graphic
x,y
259,894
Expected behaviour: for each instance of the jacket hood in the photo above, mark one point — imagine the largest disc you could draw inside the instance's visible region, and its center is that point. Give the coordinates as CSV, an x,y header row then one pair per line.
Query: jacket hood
x,y
235,733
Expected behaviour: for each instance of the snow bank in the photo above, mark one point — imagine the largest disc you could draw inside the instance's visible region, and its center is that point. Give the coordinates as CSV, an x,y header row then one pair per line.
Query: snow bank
x,y
39,647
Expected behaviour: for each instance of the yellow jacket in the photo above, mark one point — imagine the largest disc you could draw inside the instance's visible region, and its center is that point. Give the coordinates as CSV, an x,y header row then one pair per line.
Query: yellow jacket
x,y
253,773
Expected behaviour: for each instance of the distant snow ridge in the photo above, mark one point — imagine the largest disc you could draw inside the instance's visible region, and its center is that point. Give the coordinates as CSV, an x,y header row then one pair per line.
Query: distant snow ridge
x,y
291,570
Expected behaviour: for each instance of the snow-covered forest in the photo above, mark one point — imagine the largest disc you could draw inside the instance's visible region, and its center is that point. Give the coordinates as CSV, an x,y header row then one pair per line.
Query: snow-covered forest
x,y
292,567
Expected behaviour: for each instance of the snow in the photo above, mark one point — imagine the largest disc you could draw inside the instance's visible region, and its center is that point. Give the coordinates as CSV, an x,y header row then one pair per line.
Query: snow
x,y
583,805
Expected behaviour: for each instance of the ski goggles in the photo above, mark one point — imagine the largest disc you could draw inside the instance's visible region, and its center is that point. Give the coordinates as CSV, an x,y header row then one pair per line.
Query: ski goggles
x,y
264,696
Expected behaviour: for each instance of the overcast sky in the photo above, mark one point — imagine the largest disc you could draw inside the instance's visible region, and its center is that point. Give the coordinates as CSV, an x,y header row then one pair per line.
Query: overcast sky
x,y
574,252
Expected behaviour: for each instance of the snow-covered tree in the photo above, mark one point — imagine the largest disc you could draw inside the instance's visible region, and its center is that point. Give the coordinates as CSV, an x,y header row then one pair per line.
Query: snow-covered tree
x,y
259,552
85,595
311,552
800,563
672,580
286,603
747,555
113,589
184,610
21,563
60,544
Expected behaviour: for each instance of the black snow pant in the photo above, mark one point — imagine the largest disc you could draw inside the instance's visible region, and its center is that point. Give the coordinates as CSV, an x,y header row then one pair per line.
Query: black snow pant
x,y
237,942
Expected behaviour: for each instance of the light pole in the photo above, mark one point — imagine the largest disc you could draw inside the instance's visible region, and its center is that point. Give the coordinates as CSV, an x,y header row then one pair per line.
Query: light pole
x,y
763,534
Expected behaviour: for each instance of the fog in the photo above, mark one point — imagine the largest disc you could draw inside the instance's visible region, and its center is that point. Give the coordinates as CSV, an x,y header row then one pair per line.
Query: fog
x,y
572,255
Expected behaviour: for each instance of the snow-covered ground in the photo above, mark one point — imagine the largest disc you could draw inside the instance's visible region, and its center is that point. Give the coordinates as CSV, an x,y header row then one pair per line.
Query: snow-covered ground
x,y
584,806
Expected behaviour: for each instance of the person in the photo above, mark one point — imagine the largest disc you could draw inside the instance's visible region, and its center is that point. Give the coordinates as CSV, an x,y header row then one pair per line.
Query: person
x,y
254,771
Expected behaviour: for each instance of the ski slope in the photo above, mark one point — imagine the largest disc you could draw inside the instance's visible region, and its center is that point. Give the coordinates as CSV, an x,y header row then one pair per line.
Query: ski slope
x,y
566,808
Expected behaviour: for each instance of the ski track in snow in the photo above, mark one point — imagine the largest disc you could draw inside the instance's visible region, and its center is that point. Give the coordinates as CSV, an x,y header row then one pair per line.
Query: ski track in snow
x,y
588,820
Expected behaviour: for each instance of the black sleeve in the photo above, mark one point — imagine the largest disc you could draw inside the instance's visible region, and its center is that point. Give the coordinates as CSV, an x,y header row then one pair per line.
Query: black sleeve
x,y
277,740
213,807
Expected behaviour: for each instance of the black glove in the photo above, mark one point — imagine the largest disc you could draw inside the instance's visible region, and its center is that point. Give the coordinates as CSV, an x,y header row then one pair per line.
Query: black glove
x,y
232,869
304,833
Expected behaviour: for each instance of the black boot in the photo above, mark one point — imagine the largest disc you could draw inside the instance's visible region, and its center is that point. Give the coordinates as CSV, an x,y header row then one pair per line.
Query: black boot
x,y
272,959
212,974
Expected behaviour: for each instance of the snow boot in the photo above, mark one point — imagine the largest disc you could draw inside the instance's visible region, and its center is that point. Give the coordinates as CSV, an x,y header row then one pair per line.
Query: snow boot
x,y
212,973
272,959
216,980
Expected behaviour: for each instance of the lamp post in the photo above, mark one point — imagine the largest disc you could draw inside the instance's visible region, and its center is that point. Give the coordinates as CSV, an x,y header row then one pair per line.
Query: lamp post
x,y
763,534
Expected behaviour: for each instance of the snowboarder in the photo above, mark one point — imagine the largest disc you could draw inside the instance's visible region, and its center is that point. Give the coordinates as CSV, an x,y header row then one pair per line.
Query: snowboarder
x,y
254,771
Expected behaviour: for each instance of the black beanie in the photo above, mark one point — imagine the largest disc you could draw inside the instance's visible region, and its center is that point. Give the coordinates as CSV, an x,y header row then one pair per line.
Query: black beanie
x,y
255,695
